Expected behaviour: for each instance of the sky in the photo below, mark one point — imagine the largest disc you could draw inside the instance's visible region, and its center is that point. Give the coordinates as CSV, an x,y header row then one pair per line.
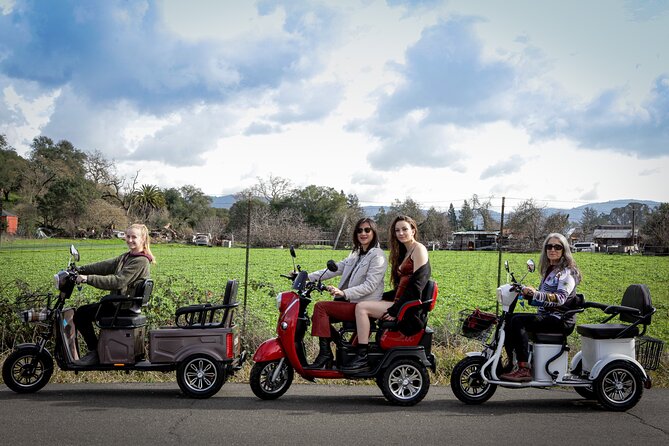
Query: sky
x,y
565,102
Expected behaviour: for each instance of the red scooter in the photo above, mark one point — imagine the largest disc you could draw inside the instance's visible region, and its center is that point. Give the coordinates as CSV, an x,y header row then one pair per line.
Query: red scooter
x,y
400,351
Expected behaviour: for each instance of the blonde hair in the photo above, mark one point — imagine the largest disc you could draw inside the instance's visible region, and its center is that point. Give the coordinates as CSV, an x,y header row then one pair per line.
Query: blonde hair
x,y
144,231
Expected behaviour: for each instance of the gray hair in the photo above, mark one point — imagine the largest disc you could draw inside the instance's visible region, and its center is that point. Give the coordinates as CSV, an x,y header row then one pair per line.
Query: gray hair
x,y
566,261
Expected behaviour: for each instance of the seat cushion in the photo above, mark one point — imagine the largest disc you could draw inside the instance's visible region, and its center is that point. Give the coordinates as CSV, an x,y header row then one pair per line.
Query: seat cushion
x,y
122,321
606,331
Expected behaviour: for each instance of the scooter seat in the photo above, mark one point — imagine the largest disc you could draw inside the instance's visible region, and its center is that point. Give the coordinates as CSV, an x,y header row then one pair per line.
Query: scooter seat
x,y
607,331
547,338
122,321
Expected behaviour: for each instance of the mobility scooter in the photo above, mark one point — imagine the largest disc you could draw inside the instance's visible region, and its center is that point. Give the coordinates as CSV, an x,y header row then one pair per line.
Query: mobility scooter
x,y
611,367
203,347
400,351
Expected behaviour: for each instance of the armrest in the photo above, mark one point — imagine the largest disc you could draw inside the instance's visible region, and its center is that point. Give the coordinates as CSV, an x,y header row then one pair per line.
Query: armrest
x,y
569,313
407,306
617,309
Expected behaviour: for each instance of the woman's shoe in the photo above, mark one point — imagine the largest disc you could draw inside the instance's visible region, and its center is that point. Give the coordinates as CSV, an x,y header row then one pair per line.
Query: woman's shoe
x,y
360,363
325,356
522,374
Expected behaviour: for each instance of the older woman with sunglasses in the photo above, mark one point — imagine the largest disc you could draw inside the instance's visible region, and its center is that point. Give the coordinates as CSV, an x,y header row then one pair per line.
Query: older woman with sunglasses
x,y
361,274
559,278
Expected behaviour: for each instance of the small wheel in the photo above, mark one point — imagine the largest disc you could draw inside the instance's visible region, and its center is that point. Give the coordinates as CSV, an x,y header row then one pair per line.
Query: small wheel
x,y
586,392
200,376
27,370
468,384
619,386
265,384
405,382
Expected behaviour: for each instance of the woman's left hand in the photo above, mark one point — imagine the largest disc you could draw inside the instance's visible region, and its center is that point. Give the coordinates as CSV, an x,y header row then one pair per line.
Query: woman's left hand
x,y
81,279
335,292
528,291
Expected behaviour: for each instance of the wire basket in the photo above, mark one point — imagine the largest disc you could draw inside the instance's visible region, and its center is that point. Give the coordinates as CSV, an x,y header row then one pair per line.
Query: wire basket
x,y
476,324
649,352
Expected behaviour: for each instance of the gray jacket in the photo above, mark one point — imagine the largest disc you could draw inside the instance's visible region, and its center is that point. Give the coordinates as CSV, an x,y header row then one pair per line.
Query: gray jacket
x,y
365,280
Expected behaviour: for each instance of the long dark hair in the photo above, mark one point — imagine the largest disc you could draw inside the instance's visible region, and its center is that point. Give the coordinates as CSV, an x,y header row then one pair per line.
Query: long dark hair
x,y
357,247
397,249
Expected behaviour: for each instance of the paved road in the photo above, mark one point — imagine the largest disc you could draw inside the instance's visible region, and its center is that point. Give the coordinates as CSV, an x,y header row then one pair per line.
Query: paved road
x,y
120,414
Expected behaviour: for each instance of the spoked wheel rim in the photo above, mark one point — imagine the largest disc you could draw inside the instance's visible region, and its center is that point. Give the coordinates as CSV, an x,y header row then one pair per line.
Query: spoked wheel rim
x,y
619,386
471,381
200,374
267,383
24,373
405,382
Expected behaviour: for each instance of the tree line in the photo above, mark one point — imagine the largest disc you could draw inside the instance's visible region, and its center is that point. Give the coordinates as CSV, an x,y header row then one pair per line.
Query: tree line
x,y
71,192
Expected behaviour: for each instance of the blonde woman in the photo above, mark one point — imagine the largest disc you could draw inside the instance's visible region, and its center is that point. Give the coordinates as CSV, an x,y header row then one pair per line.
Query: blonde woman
x,y
119,275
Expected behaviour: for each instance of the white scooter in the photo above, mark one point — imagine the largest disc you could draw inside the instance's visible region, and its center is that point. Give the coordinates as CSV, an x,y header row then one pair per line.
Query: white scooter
x,y
611,367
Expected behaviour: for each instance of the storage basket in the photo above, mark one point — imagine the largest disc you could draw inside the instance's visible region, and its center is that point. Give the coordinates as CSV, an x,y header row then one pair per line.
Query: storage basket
x,y
476,324
649,352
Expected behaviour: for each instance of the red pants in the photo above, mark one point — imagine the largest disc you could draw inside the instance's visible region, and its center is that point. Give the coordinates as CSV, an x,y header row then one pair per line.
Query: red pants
x,y
330,311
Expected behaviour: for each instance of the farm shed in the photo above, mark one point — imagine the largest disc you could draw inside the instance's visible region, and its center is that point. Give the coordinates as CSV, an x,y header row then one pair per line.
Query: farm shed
x,y
474,240
615,238
11,221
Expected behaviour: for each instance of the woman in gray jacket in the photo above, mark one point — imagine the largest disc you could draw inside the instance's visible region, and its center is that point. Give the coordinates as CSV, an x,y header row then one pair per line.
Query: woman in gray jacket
x,y
362,274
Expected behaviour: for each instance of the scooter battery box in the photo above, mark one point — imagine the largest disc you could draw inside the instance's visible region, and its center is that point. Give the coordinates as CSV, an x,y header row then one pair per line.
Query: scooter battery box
x,y
594,350
121,345
173,344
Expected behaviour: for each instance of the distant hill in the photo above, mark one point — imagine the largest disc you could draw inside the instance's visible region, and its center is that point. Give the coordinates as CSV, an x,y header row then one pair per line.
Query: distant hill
x,y
225,201
575,214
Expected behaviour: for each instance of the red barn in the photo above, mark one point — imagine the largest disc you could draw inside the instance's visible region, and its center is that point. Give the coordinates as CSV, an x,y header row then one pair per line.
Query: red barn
x,y
11,222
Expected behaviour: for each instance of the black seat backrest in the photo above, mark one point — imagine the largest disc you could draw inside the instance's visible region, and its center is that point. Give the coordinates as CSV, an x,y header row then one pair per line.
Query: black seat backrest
x,y
144,290
637,296
229,298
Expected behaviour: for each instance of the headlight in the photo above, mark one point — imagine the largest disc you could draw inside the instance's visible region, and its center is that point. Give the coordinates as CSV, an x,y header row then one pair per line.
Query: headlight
x,y
59,279
278,301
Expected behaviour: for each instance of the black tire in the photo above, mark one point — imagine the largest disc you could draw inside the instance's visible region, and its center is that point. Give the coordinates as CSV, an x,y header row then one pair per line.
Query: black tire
x,y
21,376
261,379
405,382
467,383
586,392
618,386
200,376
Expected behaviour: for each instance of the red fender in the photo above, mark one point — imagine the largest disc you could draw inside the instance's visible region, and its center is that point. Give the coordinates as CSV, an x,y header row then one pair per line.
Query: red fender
x,y
270,350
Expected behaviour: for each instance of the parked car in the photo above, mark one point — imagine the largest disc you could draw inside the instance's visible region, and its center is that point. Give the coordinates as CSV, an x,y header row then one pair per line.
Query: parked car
x,y
585,247
202,239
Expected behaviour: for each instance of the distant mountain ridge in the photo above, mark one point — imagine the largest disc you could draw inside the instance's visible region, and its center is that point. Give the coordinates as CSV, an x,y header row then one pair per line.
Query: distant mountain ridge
x,y
575,213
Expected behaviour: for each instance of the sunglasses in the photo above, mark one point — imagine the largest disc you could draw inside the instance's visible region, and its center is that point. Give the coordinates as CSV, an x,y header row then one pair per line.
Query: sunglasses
x,y
367,230
555,247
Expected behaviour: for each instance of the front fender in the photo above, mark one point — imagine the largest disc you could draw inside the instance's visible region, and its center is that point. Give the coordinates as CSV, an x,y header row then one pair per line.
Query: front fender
x,y
474,354
599,365
270,350
33,347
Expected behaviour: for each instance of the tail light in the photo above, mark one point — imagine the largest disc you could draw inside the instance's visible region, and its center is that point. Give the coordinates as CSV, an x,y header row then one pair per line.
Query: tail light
x,y
229,344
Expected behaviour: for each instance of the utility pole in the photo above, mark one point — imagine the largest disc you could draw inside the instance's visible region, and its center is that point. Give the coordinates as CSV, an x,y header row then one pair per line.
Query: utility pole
x,y
500,238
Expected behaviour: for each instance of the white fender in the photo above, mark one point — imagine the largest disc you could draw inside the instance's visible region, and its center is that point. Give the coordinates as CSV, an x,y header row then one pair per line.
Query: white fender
x,y
473,354
599,365
575,360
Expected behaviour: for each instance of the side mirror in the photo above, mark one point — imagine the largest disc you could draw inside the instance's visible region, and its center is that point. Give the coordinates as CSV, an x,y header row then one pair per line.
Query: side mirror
x,y
530,266
292,251
74,253
332,265
506,265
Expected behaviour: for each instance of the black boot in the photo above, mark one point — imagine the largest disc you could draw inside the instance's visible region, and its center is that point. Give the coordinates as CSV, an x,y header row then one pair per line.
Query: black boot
x,y
325,356
360,363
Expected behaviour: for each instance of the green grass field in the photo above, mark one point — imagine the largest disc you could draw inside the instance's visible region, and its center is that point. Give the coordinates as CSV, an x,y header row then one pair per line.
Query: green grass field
x,y
187,274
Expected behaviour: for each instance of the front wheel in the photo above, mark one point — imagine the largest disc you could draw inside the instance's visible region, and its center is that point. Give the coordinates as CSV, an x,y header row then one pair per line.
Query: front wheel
x,y
200,376
618,386
405,382
270,380
27,370
468,384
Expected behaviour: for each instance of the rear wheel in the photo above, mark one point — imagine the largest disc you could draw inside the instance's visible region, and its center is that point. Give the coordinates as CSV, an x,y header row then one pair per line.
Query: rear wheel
x,y
27,370
268,381
468,384
619,386
200,376
405,382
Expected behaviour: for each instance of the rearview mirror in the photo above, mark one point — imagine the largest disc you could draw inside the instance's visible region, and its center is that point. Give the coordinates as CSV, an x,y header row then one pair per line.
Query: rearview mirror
x,y
530,266
292,251
506,265
332,265
74,253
